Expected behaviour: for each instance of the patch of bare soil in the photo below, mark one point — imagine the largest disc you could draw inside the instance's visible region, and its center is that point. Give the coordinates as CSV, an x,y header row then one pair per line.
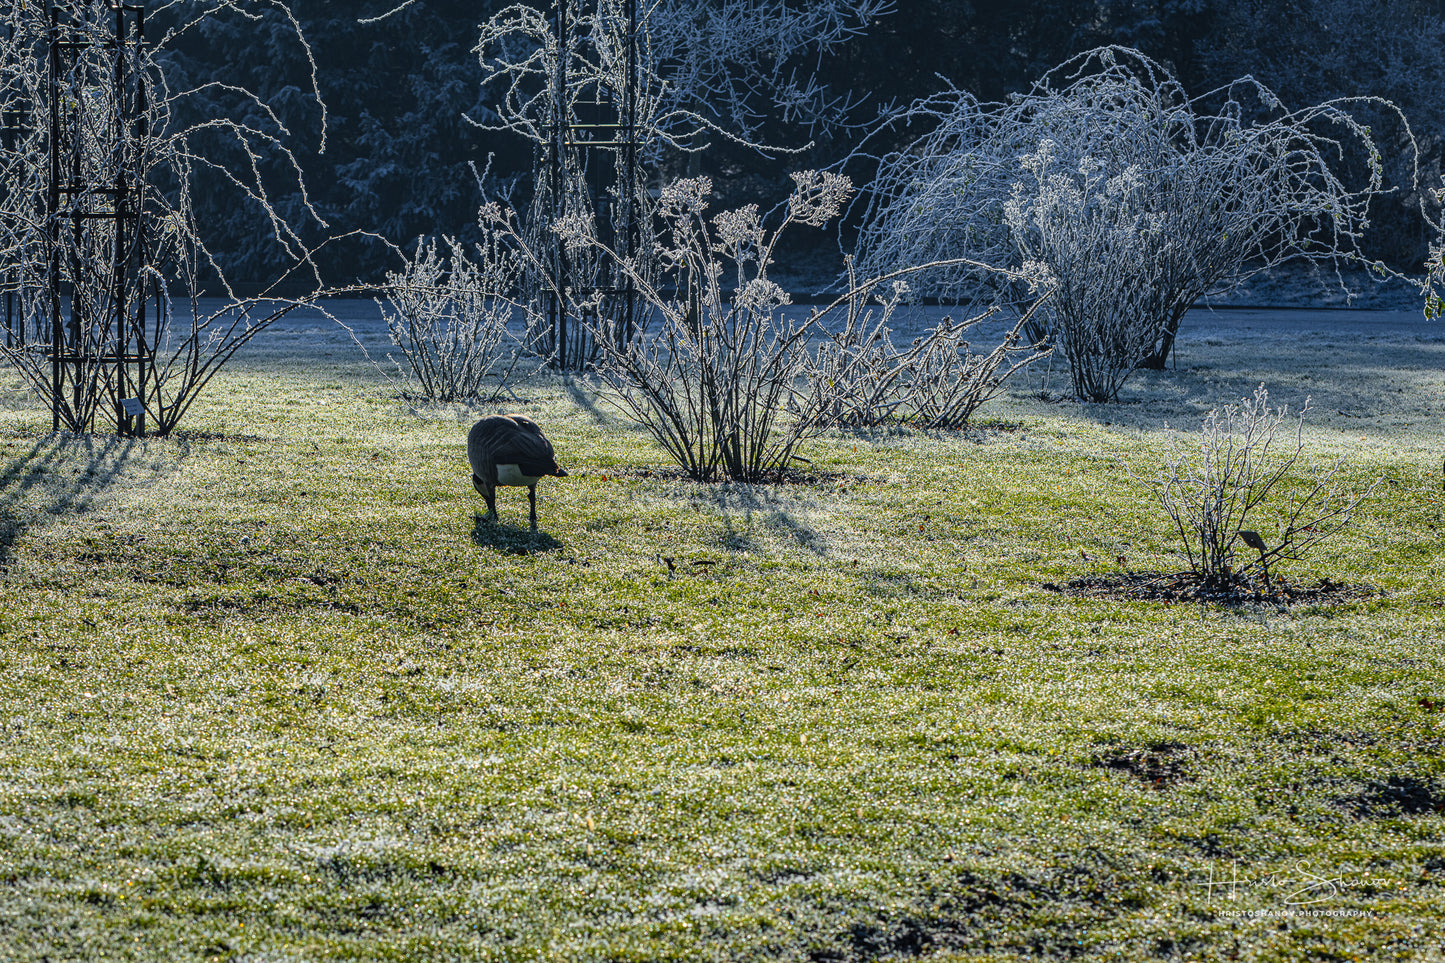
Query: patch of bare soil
x,y
1396,796
1158,765
1189,587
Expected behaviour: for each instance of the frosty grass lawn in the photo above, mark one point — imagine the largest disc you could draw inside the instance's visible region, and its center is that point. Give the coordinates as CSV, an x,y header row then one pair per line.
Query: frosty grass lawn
x,y
271,690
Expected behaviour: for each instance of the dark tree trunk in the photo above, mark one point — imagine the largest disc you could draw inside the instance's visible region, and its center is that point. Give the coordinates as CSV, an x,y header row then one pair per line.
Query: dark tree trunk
x,y
1159,357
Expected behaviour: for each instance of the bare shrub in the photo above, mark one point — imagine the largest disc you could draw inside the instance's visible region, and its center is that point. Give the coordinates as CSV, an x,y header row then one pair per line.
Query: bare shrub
x,y
860,379
691,74
1433,283
1238,470
713,375
857,375
125,334
723,376
1137,197
448,316
1302,60
948,382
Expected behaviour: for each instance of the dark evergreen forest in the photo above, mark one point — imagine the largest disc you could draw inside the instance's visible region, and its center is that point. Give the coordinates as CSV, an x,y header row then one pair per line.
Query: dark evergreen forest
x,y
401,159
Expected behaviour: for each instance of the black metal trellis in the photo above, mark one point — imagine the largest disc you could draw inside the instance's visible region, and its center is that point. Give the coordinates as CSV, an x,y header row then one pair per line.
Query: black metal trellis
x,y
12,134
77,302
97,131
592,169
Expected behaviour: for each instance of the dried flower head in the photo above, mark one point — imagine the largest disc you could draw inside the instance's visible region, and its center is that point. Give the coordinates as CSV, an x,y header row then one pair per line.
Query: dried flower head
x,y
575,230
491,213
761,296
739,230
819,196
684,196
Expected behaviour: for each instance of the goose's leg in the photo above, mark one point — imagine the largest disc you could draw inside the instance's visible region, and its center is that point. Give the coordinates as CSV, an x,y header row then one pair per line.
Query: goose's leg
x,y
532,499
489,492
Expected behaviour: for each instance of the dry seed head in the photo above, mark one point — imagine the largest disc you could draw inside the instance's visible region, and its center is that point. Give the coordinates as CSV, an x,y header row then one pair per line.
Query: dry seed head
x,y
819,196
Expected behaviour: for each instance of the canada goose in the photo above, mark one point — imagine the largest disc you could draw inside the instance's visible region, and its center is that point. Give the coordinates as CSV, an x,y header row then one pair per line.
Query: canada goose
x,y
509,450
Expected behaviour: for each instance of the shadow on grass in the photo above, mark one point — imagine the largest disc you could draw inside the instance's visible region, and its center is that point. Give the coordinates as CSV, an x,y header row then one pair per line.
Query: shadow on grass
x,y
762,501
510,539
61,474
738,540
588,401
979,431
1350,376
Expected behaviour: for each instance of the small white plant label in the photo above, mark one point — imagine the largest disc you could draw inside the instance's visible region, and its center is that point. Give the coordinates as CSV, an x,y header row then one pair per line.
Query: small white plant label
x,y
132,406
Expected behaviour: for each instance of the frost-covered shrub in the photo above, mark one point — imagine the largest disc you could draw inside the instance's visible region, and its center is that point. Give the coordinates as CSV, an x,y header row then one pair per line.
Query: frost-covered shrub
x,y
1138,198
861,379
725,376
1235,486
948,381
1107,250
696,72
857,374
713,375
448,316
120,116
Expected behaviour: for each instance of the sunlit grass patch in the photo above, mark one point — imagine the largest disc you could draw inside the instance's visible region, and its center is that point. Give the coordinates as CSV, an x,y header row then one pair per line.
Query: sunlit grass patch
x,y
272,690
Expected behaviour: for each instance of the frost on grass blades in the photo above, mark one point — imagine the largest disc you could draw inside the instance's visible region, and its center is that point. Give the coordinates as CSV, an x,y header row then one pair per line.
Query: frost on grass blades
x,y
1243,500
135,132
1137,198
448,317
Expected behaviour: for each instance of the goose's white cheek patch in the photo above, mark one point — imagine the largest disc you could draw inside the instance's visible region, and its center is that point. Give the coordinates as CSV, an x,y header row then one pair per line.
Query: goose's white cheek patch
x,y
512,475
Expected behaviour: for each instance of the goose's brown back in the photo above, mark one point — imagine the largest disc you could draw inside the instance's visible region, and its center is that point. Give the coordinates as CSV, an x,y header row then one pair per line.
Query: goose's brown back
x,y
509,440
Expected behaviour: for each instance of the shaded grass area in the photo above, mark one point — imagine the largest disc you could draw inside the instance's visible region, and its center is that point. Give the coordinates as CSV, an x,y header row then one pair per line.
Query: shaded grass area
x,y
272,690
